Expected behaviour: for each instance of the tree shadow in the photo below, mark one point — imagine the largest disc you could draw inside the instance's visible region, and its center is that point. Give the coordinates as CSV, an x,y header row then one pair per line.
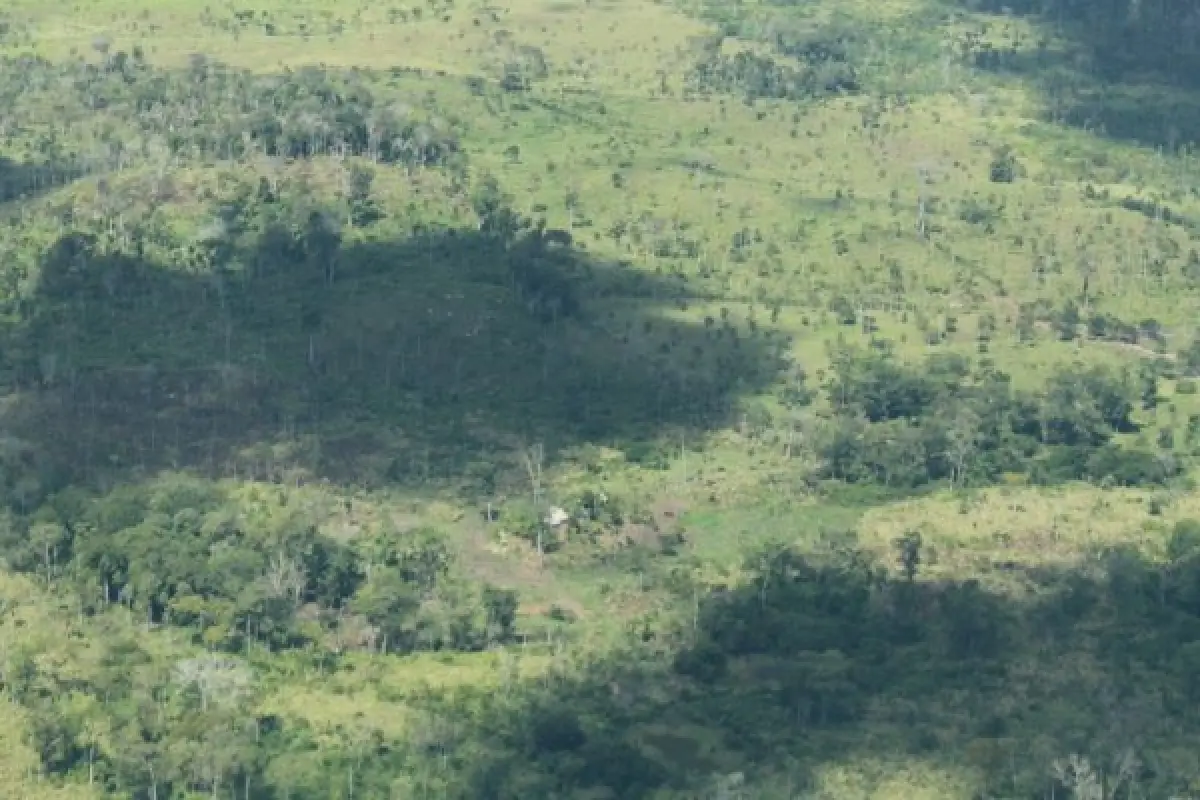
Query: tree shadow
x,y
1127,71
23,180
824,661
424,361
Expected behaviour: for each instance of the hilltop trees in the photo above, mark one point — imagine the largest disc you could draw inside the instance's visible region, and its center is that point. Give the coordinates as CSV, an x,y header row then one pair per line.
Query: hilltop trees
x,y
756,76
181,553
216,112
904,427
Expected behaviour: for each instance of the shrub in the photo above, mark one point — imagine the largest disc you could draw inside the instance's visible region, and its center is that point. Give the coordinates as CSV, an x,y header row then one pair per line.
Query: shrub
x,y
520,518
1185,539
1128,467
557,731
1189,359
1004,167
651,455
706,662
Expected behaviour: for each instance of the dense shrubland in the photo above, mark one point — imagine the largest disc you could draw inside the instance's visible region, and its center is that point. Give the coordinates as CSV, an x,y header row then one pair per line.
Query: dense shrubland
x,y
756,76
908,426
254,570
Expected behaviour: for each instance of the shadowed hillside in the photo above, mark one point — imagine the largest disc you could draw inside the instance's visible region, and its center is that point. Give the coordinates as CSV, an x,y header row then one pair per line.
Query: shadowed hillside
x,y
1029,682
22,180
410,361
1124,69
1126,39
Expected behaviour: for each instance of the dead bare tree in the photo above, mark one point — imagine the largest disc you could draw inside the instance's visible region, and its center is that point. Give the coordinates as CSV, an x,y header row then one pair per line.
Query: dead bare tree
x,y
532,458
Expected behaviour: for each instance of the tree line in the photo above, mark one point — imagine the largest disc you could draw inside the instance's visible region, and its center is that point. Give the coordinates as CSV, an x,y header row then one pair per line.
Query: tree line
x,y
121,111
907,426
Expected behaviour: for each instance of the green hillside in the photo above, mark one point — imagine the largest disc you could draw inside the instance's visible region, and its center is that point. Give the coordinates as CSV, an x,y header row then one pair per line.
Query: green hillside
x,y
602,399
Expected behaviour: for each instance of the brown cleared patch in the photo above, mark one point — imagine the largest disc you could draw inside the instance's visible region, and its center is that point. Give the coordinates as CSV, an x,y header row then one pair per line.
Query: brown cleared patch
x,y
634,534
545,609
668,513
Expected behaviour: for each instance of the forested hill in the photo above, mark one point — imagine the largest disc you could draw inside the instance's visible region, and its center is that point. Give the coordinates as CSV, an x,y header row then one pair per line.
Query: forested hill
x,y
596,400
